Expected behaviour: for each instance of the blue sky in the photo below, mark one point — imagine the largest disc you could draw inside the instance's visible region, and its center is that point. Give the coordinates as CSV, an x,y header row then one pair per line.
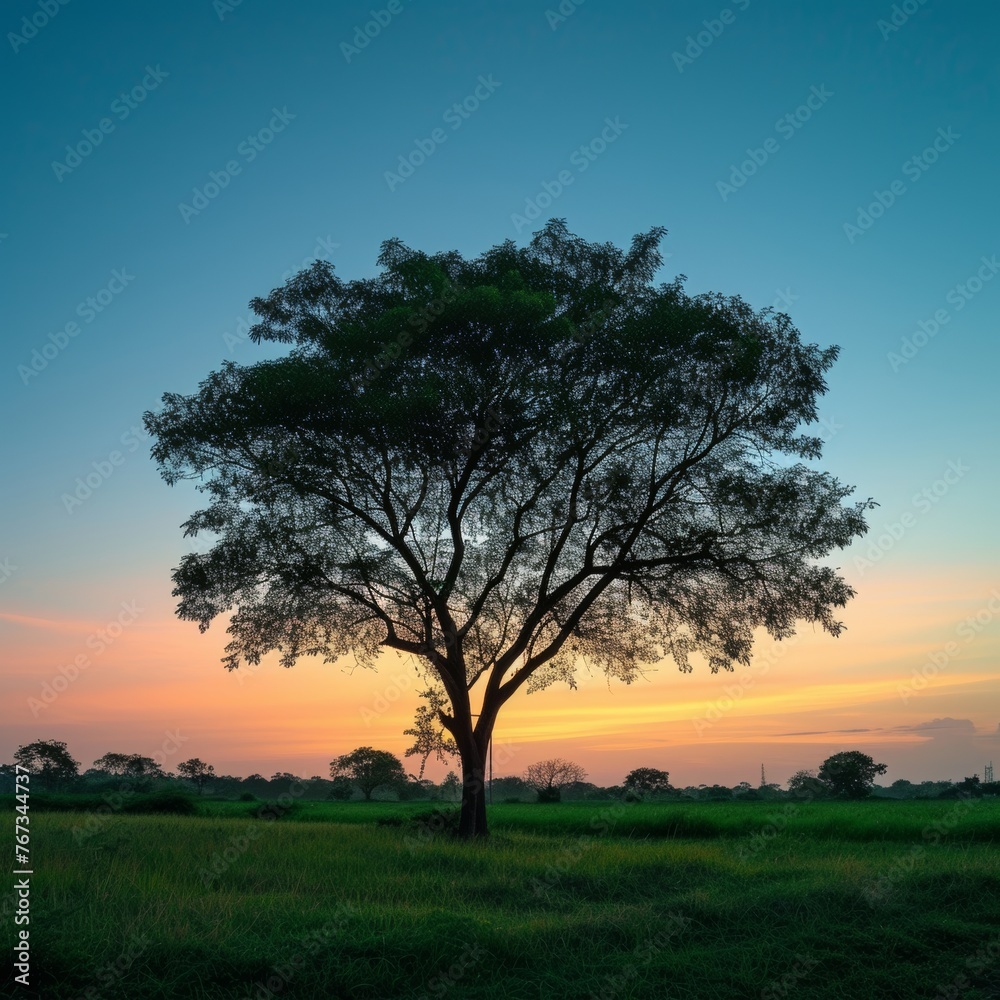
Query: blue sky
x,y
755,132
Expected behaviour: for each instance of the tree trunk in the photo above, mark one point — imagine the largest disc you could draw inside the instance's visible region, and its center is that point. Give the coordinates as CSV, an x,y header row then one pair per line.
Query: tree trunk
x,y
472,822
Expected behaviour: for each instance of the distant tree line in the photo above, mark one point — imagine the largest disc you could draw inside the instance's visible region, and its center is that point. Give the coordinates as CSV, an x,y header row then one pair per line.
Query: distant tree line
x,y
371,774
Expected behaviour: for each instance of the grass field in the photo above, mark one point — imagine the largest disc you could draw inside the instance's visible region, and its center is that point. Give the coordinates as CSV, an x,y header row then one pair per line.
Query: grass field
x,y
604,900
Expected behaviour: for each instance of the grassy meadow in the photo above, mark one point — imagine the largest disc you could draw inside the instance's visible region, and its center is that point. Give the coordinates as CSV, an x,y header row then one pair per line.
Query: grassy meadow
x,y
574,900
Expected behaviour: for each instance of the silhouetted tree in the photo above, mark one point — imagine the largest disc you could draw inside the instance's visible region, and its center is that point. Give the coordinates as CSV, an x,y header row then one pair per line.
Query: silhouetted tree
x,y
197,771
806,785
49,763
549,777
506,465
642,782
256,784
850,775
451,787
369,769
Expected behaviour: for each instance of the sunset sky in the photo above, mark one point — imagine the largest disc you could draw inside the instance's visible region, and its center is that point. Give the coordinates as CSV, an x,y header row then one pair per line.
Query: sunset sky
x,y
165,164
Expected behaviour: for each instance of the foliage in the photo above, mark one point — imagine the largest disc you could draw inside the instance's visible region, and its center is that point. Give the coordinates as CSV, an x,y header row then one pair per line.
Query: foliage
x,y
49,763
549,777
850,774
369,769
451,787
197,771
805,784
643,782
557,462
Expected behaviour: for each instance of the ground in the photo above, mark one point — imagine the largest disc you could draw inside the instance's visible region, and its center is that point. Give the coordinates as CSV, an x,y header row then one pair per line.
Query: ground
x,y
591,900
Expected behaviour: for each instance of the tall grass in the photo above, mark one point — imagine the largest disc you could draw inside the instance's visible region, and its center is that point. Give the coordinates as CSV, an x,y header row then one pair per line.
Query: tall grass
x,y
555,905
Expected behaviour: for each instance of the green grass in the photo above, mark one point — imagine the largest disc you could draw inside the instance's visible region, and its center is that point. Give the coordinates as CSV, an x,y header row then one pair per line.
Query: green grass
x,y
565,901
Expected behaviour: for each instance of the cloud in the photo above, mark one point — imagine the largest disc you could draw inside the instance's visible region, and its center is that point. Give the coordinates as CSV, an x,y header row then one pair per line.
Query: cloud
x,y
947,725
828,732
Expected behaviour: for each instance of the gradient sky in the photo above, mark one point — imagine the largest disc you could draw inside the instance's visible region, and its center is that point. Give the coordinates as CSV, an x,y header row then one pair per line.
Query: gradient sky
x,y
759,137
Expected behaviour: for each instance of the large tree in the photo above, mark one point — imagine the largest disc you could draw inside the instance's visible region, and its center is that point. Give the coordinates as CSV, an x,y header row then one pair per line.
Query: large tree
x,y
197,771
850,774
550,777
504,467
369,769
646,781
49,762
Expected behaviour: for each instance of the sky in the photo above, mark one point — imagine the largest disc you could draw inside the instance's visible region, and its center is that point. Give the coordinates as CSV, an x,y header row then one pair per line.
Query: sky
x,y
164,164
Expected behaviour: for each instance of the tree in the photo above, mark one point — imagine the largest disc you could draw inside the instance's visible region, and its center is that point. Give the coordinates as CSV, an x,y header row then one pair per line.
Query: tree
x,y
451,787
806,785
548,777
645,781
49,762
197,771
141,771
369,769
850,775
506,466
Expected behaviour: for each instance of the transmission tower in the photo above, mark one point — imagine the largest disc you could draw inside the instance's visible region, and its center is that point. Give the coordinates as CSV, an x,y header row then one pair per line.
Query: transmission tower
x,y
763,779
988,772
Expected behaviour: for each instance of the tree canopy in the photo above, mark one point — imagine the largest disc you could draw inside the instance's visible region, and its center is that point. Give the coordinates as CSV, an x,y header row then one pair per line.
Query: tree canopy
x,y
644,781
506,467
50,762
850,774
196,771
369,769
549,777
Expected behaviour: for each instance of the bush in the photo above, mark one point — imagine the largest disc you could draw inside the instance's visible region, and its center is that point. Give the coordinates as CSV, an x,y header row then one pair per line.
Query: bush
x,y
247,797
